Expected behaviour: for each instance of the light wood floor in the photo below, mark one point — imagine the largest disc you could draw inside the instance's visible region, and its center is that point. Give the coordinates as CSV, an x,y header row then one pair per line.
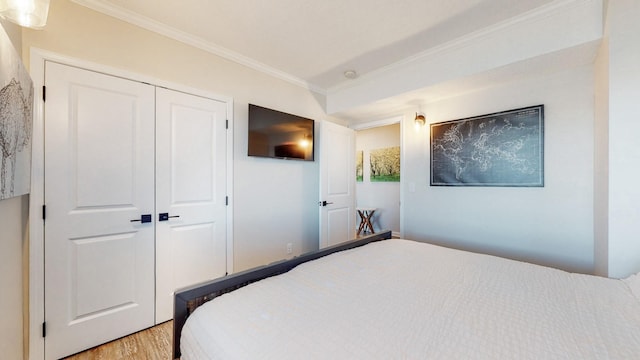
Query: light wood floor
x,y
151,344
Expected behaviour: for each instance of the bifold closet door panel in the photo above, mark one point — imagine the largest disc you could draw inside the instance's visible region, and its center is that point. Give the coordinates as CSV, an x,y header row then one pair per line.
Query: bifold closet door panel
x,y
190,193
99,176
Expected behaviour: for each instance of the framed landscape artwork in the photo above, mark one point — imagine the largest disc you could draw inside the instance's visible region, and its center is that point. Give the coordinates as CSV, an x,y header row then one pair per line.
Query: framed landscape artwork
x,y
16,119
499,149
359,165
385,164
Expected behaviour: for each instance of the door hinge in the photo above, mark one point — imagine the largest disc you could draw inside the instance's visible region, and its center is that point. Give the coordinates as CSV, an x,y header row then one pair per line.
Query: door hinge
x,y
44,212
44,329
226,200
227,124
44,93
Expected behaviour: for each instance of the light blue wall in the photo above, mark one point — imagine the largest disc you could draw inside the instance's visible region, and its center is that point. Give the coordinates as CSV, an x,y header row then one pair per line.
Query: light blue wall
x,y
552,225
623,210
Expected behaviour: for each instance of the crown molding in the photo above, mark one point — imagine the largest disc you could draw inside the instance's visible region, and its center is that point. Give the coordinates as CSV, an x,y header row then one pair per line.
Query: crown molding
x,y
157,27
534,15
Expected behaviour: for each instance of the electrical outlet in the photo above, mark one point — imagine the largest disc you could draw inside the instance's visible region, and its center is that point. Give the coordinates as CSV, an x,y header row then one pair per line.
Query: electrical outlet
x,y
289,248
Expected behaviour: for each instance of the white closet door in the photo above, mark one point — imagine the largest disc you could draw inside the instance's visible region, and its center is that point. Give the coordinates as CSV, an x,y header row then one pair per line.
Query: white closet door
x,y
99,177
191,191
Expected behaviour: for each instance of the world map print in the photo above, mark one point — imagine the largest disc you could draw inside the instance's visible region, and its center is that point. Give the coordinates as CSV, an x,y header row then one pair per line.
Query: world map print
x,y
500,149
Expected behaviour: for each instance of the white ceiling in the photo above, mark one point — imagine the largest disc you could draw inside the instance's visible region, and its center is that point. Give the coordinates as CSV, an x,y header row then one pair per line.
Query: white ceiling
x,y
312,42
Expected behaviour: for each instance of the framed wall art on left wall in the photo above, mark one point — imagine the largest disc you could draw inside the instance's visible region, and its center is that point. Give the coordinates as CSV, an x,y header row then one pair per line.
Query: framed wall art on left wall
x,y
16,122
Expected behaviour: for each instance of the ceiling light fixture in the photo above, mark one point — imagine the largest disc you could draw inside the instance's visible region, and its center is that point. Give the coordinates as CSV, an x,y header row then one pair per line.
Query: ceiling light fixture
x,y
350,74
27,13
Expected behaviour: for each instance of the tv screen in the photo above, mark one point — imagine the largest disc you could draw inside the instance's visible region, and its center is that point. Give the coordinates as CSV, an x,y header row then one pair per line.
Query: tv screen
x,y
279,135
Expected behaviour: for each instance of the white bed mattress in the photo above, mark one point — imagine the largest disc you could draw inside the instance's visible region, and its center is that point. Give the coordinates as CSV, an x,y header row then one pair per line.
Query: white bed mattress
x,y
400,299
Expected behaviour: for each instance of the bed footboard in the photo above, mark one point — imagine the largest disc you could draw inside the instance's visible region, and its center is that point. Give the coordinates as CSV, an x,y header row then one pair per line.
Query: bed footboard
x,y
188,299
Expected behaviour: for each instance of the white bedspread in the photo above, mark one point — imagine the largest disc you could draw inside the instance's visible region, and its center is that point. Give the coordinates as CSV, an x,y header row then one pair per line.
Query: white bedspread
x,y
399,299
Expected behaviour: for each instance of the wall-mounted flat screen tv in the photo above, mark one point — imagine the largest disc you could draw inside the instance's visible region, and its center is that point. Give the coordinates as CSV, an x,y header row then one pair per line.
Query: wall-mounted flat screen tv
x,y
276,134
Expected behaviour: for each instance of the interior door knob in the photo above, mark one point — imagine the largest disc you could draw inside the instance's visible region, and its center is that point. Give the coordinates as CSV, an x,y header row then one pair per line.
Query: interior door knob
x,y
146,218
165,216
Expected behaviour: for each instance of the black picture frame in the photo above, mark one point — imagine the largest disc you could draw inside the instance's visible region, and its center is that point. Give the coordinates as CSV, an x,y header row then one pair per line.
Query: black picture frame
x,y
499,149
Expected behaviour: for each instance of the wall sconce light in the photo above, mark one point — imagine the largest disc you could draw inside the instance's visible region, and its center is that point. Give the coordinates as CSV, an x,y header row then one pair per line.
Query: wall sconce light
x,y
27,13
420,119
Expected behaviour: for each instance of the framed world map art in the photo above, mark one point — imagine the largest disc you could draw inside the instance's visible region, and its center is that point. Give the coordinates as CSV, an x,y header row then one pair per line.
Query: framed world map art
x,y
499,149
16,118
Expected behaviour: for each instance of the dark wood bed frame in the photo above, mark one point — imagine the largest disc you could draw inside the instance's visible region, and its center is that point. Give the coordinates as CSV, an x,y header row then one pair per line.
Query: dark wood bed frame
x,y
188,299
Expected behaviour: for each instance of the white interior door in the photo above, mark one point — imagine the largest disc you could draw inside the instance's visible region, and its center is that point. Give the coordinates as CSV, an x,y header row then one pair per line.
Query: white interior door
x,y
337,184
99,179
191,192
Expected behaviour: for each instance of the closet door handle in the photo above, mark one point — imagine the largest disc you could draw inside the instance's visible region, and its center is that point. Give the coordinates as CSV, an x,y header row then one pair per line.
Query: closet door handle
x,y
165,216
146,218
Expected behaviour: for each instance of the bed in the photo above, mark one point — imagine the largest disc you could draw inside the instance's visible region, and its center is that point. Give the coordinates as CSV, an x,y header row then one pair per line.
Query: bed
x,y
373,299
